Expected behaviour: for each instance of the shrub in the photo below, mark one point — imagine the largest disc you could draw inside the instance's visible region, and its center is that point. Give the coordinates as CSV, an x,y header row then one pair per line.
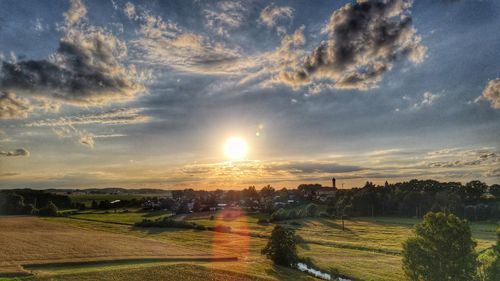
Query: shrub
x,y
324,215
220,228
292,214
200,227
311,210
278,215
262,221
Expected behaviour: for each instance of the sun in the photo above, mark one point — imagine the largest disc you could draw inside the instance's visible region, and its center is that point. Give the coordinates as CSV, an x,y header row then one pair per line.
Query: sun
x,y
235,148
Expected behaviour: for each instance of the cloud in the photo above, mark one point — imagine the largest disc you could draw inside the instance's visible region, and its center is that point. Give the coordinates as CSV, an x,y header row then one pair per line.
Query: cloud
x,y
17,152
224,15
64,127
457,158
86,69
271,14
9,174
79,136
492,93
164,43
129,10
75,13
364,40
112,117
312,167
13,107
87,139
428,99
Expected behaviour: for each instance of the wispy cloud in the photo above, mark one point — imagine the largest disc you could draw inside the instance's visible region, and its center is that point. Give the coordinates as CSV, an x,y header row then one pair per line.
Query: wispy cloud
x,y
112,117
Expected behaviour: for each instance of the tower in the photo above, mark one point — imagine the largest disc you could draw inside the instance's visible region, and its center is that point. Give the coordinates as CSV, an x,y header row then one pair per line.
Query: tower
x,y
333,183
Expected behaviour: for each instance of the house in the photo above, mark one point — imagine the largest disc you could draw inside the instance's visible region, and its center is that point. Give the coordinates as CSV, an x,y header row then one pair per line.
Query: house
x,y
325,193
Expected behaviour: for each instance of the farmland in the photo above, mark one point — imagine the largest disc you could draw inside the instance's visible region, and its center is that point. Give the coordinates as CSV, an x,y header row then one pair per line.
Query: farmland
x,y
368,248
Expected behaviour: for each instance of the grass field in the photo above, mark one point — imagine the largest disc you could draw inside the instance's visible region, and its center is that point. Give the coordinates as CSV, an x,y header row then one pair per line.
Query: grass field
x,y
369,248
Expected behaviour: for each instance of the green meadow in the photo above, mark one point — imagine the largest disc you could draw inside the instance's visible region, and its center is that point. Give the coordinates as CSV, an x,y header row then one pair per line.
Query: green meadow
x,y
367,249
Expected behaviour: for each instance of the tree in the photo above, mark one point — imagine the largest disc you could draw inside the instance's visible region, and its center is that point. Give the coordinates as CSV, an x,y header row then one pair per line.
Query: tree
x,y
49,210
281,248
267,192
94,205
442,250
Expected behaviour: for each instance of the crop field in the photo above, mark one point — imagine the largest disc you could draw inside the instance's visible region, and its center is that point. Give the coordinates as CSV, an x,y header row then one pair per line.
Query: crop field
x,y
179,272
31,240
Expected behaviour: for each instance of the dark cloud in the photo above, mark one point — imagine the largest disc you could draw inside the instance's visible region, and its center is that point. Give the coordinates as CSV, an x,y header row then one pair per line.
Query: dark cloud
x,y
17,152
86,69
364,40
86,72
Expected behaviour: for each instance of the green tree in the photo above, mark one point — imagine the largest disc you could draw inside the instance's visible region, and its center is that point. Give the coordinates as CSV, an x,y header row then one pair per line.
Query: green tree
x,y
442,250
49,210
281,248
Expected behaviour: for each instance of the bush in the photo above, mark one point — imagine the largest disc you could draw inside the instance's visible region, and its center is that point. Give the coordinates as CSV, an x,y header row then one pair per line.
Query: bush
x,y
170,223
278,215
220,228
292,214
281,247
166,222
311,210
262,221
200,227
324,215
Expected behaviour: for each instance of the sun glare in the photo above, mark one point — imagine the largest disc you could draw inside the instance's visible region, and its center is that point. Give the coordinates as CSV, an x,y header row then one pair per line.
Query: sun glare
x,y
235,148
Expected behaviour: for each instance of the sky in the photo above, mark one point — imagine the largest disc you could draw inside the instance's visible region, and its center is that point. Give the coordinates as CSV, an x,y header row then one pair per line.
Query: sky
x,y
142,94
